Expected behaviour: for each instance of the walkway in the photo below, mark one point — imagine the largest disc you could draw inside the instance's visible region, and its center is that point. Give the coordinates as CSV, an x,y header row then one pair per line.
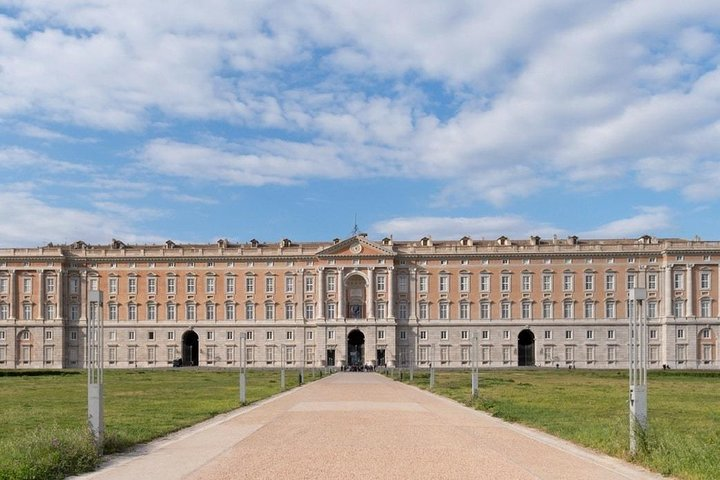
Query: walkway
x,y
364,426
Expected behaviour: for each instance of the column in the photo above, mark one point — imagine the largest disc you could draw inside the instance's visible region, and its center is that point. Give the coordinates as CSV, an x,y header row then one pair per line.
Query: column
x,y
59,289
41,295
321,293
667,296
689,308
412,315
13,294
391,296
341,293
369,311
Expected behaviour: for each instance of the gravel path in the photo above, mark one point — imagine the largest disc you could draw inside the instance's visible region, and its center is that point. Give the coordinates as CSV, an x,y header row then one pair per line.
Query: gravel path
x,y
363,426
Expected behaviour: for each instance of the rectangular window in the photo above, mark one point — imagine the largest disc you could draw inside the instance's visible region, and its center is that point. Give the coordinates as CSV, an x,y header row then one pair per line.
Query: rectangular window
x,y
289,335
631,280
151,335
402,282
268,335
568,282
229,285
443,334
269,284
230,311
484,283
610,281
611,334
652,281
331,334
547,283
331,283
567,310
132,312
569,354
171,336
269,311
705,307
171,311
589,281
27,285
171,286
210,311
680,333
464,334
50,284
250,284
589,334
423,334
485,334
464,283
152,285
380,283
132,285
526,310
209,284
423,311
289,311
3,285
131,335
505,310
547,308
526,282
309,284
610,309
652,309
151,312
704,280
444,311
444,282
423,283
505,283
49,311
309,311
589,310
190,311
381,334
113,285
380,310
548,335
590,353
612,354
464,311
402,311
190,285
484,310
678,282
331,310
289,284
678,308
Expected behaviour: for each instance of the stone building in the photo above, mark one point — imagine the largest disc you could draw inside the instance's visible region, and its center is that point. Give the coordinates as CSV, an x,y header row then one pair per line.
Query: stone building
x,y
553,303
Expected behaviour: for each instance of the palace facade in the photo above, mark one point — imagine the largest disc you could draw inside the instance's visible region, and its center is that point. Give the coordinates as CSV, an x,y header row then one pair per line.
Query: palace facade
x,y
554,303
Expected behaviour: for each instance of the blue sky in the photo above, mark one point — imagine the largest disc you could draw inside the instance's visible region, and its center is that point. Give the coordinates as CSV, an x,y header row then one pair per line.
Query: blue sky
x,y
147,121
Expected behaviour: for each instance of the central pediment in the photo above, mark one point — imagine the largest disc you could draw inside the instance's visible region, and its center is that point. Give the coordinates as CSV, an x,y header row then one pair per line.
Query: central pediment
x,y
356,246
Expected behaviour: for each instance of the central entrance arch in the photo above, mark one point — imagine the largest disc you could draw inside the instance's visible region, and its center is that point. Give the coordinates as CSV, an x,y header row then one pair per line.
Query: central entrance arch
x,y
526,349
190,349
356,349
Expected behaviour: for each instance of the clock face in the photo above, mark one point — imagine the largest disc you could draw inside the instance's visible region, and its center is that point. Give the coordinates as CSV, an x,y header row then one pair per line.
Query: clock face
x,y
357,248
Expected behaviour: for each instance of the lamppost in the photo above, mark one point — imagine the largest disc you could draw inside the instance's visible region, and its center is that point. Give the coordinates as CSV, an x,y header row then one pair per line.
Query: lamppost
x,y
282,367
638,367
94,356
432,365
475,365
243,369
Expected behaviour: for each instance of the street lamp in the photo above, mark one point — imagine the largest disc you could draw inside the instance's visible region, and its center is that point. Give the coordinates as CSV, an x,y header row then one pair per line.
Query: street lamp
x,y
475,365
94,355
243,369
637,367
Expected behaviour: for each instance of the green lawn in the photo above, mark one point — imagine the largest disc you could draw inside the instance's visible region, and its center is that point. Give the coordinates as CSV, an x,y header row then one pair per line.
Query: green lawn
x,y
589,407
47,411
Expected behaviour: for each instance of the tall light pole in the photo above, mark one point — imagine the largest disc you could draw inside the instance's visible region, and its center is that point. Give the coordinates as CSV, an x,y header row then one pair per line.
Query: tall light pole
x,y
94,356
243,370
638,368
282,367
475,365
432,365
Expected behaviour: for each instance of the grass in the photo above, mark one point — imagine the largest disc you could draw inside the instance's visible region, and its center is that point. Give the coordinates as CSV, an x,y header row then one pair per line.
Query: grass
x,y
44,430
589,407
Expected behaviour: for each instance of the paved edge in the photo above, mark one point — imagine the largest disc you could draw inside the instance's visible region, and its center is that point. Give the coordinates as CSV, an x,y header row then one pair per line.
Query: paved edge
x,y
622,467
117,460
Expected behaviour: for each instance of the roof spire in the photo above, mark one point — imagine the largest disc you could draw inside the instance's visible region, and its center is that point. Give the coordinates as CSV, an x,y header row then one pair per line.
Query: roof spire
x,y
355,230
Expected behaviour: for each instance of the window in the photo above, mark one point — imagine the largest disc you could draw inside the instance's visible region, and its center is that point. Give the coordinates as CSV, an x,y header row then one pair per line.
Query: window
x,y
652,309
444,311
230,311
505,283
568,334
131,335
132,285
269,284
567,282
590,353
402,310
27,285
610,309
547,308
526,310
380,310
402,283
209,284
309,335
704,280
152,285
589,281
230,285
3,285
589,309
269,311
151,312
49,311
309,284
484,283
250,311
190,285
485,334
652,281
380,283
93,283
485,310
423,283
526,282
423,334
547,282
4,311
331,334
678,308
74,285
113,285
381,334
680,333
653,334
289,311
705,307
547,335
269,335
331,310
132,312
289,335
443,334
505,310
289,284
423,311
611,334
678,282
403,335
444,281
309,310
250,284
190,311
151,335
249,335
464,283
171,311
706,333
506,334
210,311
171,335
171,285
464,311
631,280
612,354
610,281
464,334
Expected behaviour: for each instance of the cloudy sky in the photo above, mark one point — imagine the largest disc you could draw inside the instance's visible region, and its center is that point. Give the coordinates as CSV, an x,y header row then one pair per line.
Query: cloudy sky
x,y
193,121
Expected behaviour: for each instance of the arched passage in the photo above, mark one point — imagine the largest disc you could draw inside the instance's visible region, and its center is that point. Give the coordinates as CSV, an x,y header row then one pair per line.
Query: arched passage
x,y
356,349
190,349
526,349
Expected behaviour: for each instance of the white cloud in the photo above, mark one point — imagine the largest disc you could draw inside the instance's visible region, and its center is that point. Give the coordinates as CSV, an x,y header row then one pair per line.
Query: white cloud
x,y
449,228
22,158
648,221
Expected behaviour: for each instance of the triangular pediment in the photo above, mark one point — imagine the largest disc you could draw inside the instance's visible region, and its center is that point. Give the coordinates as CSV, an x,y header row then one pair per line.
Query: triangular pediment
x,y
356,246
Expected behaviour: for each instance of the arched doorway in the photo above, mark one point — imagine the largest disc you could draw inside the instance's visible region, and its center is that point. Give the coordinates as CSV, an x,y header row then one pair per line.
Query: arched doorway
x,y
526,349
356,349
355,297
190,349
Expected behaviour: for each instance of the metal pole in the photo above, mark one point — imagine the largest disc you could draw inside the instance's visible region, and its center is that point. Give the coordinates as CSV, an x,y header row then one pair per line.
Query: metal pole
x,y
475,365
638,369
432,365
282,367
243,368
94,358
